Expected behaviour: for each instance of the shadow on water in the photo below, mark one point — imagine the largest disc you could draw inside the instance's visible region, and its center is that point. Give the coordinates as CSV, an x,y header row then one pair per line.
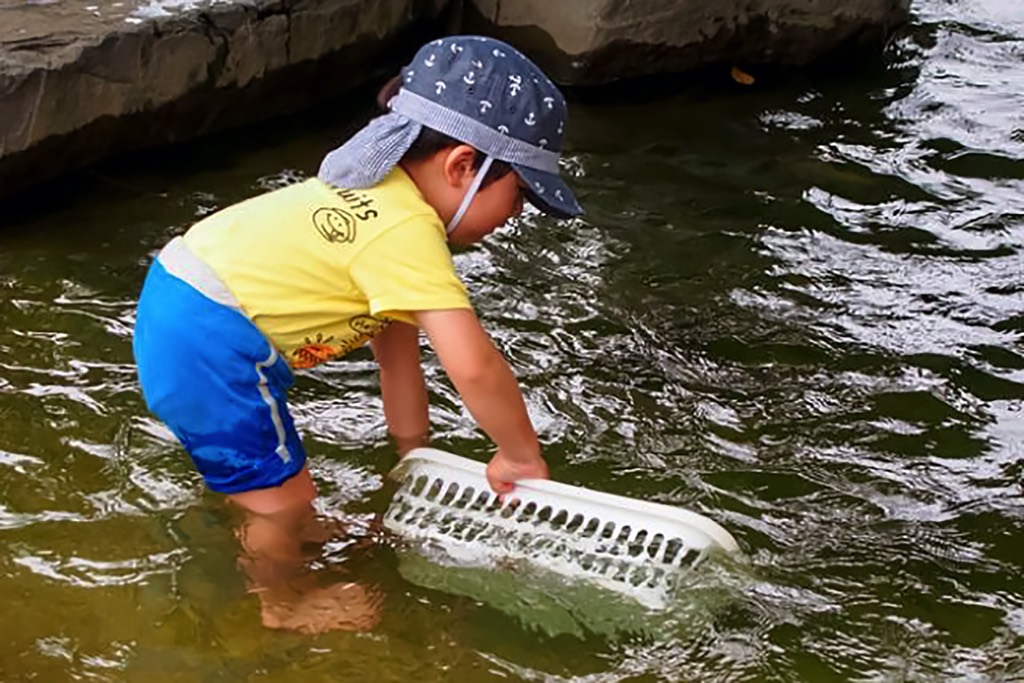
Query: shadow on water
x,y
226,161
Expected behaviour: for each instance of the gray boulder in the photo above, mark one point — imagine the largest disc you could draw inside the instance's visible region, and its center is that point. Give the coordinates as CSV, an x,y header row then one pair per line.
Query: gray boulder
x,y
588,42
80,82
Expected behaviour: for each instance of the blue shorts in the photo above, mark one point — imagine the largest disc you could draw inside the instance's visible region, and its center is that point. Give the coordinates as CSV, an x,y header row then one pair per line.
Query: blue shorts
x,y
218,384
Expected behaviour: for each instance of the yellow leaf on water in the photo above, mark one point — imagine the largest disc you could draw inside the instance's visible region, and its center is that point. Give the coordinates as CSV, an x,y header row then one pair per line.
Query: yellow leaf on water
x,y
741,76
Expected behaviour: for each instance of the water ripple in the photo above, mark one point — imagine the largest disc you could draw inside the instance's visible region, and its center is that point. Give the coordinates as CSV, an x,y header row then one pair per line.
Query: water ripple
x,y
797,309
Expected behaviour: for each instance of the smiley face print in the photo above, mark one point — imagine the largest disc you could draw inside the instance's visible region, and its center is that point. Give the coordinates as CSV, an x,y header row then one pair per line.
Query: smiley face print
x,y
335,225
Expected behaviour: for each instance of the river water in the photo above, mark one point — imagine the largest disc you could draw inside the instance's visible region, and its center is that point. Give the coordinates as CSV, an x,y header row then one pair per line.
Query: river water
x,y
796,307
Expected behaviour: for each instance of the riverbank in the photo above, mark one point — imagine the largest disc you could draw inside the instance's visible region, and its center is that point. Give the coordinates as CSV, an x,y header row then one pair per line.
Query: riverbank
x,y
83,80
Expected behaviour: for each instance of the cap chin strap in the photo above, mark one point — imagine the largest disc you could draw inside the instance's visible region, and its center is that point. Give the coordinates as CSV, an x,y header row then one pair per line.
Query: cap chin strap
x,y
470,194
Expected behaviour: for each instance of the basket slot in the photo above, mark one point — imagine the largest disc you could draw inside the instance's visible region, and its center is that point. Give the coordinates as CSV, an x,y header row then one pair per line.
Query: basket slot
x,y
463,527
402,510
482,501
449,494
673,550
401,513
559,520
528,511
620,571
510,508
636,546
543,543
657,547
658,575
476,531
588,561
433,490
607,531
690,556
575,523
592,526
448,521
416,515
439,520
561,550
429,515
415,485
545,514
466,499
638,576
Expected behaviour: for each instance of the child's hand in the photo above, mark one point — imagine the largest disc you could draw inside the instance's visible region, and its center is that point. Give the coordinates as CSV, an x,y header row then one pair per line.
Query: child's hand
x,y
502,471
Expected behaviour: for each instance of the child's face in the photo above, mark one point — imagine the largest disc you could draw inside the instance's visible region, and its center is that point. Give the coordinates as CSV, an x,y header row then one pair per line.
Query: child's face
x,y
490,209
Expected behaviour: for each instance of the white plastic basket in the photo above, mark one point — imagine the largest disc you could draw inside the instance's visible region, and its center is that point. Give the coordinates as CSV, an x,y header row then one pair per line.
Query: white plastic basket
x,y
631,546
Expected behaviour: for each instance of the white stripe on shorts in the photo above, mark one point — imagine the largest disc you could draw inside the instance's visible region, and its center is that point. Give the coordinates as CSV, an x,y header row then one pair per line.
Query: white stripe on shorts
x,y
275,412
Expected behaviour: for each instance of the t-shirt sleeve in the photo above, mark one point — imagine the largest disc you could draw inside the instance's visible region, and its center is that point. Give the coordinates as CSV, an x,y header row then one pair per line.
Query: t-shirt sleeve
x,y
408,268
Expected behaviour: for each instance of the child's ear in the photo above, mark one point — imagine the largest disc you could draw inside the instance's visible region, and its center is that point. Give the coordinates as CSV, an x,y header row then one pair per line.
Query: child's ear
x,y
458,165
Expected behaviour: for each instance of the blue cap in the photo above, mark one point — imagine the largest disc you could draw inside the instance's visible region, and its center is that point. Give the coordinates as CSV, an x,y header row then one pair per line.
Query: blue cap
x,y
489,95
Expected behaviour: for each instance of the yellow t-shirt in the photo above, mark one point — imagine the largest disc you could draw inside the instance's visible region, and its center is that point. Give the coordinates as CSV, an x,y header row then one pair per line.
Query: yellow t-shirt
x,y
320,270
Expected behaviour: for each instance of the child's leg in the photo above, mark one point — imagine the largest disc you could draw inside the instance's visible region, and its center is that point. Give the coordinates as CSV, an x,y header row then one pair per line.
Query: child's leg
x,y
279,528
216,382
272,530
299,491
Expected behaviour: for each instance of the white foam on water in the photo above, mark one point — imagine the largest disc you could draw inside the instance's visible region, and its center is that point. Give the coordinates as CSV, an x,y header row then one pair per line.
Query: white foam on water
x,y
155,9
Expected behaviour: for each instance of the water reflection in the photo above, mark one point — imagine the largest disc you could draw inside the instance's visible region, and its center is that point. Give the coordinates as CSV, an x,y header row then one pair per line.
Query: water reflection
x,y
797,310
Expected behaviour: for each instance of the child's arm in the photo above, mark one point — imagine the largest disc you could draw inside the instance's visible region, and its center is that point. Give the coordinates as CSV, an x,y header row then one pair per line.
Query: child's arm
x,y
402,387
489,389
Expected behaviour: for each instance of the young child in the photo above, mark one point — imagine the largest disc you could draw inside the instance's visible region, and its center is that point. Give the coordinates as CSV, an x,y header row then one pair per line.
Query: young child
x,y
305,274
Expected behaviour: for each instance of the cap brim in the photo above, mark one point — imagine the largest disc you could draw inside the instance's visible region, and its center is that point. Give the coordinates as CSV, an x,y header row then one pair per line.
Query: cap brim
x,y
549,193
